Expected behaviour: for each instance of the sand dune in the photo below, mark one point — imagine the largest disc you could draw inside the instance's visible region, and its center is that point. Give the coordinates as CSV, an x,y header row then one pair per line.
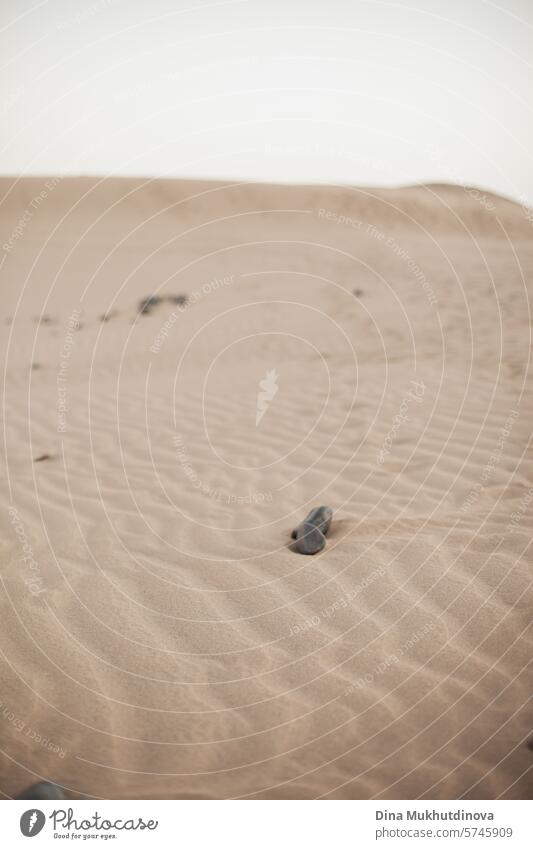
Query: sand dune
x,y
160,638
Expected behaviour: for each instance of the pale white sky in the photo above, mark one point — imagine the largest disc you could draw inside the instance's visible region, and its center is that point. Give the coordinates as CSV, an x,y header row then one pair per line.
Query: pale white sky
x,y
340,91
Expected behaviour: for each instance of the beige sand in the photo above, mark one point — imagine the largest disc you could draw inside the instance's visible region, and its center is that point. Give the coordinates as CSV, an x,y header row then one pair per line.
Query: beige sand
x,y
160,638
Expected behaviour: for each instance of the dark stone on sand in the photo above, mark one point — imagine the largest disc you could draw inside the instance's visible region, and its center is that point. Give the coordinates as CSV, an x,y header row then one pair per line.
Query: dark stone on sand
x,y
107,316
309,539
358,292
319,516
148,304
42,457
43,319
178,300
42,790
529,744
310,534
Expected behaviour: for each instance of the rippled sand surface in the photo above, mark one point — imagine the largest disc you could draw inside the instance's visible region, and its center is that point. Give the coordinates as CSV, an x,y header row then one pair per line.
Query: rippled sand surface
x,y
366,349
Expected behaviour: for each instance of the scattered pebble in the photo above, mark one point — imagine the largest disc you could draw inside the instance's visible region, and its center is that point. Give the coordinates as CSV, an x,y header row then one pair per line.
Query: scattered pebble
x,y
42,457
358,292
178,300
107,316
148,304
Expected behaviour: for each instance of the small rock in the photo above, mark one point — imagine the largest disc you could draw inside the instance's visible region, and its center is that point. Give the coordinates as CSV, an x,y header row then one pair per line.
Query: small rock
x,y
42,457
321,517
310,534
148,304
309,539
178,300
